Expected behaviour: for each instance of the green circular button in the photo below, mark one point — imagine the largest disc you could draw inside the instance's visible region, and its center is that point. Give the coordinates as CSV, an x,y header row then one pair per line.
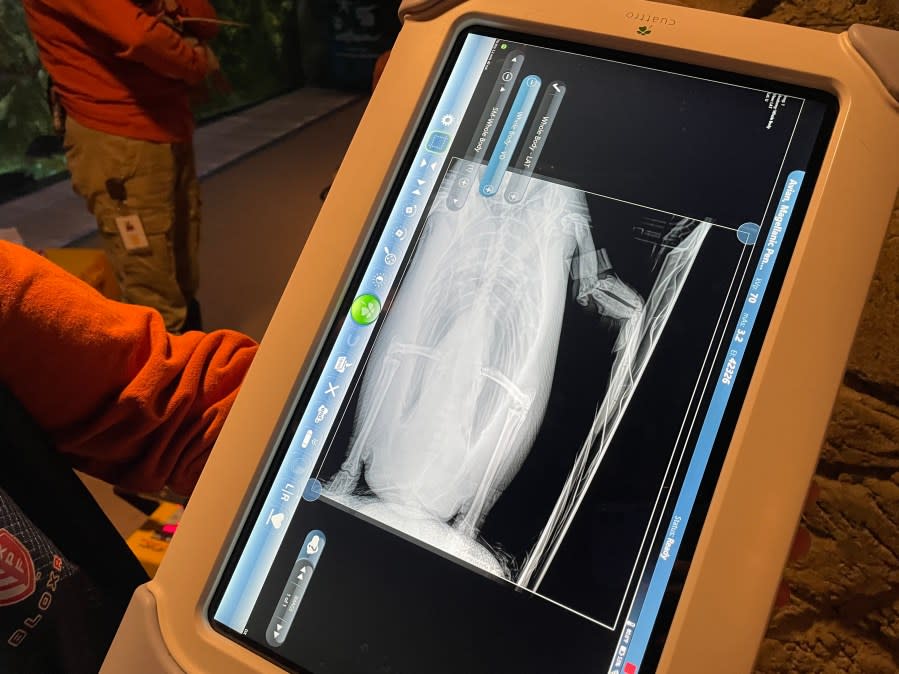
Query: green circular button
x,y
365,309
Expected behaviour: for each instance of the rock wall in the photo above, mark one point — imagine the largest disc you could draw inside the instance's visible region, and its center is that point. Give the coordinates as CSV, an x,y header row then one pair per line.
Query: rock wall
x,y
844,614
843,617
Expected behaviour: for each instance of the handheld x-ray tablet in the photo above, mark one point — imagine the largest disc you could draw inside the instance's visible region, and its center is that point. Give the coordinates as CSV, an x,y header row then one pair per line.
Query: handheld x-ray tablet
x,y
549,381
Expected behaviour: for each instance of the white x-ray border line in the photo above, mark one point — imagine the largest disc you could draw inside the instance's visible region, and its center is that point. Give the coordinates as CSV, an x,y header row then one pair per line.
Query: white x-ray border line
x,y
677,450
410,255
674,449
555,181
457,560
659,210
398,284
358,380
452,558
771,199
660,70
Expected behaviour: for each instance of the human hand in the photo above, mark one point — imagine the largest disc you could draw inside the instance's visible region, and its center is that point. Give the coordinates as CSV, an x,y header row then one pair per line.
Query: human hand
x,y
212,61
802,543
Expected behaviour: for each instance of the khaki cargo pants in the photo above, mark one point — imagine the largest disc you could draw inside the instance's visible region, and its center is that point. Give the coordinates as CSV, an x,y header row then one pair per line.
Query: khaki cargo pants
x,y
161,187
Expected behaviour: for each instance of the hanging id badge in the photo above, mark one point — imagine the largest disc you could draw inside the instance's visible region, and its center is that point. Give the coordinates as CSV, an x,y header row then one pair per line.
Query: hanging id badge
x,y
131,229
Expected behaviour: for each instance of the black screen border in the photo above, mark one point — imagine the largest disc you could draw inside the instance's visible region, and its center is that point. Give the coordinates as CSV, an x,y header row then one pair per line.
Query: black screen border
x,y
755,343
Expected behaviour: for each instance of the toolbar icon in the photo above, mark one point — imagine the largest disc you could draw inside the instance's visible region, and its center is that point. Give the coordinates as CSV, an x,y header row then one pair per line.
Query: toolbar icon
x,y
389,258
321,413
287,492
365,309
313,490
342,364
438,142
410,210
332,390
306,439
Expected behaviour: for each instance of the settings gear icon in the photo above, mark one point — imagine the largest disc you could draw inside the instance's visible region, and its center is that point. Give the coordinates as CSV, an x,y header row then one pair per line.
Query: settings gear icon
x,y
447,120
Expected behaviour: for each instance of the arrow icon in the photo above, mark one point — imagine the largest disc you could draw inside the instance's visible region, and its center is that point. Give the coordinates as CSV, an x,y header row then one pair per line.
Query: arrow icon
x,y
421,182
434,166
502,89
515,60
422,163
416,192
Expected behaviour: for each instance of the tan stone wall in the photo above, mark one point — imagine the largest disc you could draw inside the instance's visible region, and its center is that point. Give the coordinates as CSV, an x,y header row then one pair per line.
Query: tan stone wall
x,y
843,617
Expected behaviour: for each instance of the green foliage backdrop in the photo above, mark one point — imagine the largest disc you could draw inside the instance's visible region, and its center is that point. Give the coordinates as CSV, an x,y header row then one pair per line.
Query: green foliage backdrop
x,y
23,107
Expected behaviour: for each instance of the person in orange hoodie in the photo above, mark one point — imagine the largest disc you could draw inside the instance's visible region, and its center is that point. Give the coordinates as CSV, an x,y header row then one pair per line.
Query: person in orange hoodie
x,y
123,72
116,396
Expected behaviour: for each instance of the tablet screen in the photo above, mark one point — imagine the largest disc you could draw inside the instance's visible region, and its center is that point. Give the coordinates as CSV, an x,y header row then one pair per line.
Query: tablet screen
x,y
503,456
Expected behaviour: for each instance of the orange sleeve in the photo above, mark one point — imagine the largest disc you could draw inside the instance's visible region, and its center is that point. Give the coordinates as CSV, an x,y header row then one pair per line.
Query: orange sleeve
x,y
141,37
123,399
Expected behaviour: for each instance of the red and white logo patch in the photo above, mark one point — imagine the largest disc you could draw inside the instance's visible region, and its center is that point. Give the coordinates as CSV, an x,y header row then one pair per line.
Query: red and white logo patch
x,y
17,578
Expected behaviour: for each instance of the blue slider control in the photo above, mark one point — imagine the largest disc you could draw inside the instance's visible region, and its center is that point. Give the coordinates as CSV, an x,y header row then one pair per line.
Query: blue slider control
x,y
496,105
466,171
295,588
511,134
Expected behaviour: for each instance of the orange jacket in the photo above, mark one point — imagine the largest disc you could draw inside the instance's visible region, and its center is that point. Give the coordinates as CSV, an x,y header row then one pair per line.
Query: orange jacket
x,y
123,399
118,69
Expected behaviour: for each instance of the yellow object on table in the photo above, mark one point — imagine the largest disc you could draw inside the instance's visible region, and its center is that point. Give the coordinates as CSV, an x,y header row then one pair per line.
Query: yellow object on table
x,y
88,264
150,543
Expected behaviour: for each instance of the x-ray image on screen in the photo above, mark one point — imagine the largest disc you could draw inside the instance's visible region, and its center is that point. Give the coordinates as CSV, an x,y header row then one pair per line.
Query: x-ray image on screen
x,y
457,384
534,370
